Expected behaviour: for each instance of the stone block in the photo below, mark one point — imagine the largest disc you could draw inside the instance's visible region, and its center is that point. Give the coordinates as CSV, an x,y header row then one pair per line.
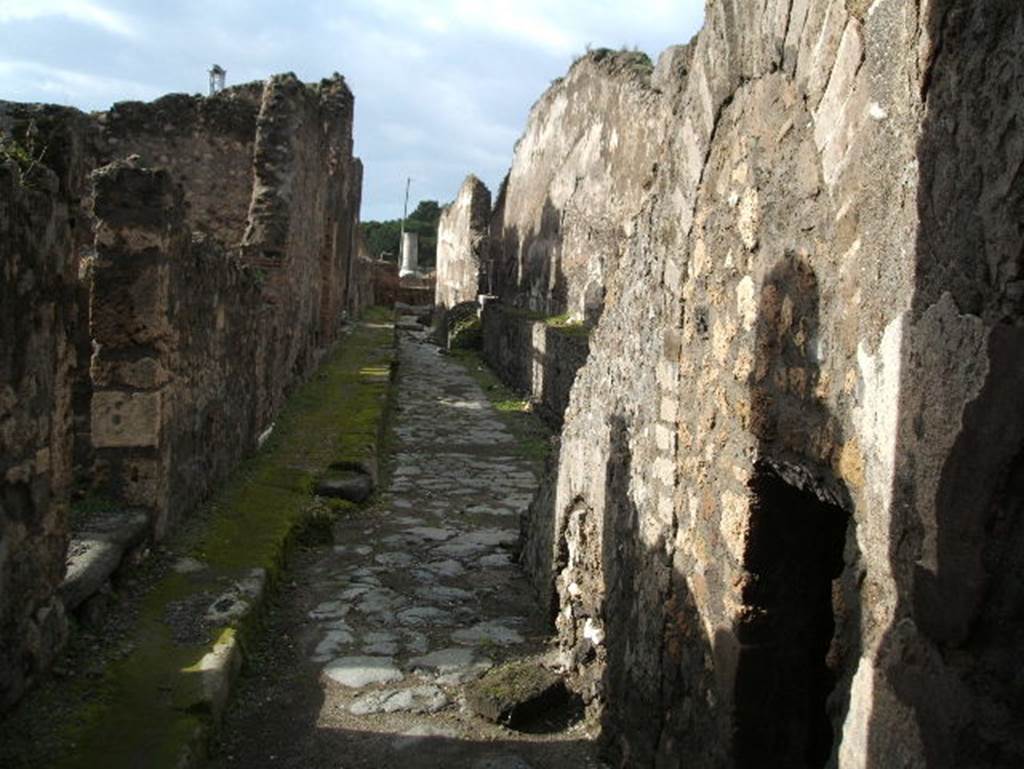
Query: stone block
x,y
516,693
126,419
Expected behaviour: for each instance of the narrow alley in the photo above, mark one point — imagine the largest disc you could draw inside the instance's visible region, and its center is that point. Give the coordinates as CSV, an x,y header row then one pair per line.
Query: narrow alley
x,y
374,639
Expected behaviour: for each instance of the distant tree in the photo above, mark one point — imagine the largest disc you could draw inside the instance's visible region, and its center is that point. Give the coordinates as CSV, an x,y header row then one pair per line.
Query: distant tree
x,y
384,237
427,211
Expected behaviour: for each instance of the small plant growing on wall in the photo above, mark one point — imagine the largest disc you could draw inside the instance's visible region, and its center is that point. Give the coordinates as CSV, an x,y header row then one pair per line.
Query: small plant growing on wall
x,y
27,154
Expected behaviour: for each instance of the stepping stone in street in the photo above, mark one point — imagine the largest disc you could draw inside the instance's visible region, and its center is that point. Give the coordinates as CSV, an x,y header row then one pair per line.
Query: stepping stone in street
x,y
417,699
357,672
493,631
454,665
329,610
332,643
348,485
424,615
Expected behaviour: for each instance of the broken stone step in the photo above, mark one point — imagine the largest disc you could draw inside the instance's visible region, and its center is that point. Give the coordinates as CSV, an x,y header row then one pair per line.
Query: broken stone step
x,y
96,552
516,693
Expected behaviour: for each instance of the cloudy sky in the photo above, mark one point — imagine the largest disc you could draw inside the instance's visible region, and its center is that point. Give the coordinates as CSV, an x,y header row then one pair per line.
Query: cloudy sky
x,y
442,87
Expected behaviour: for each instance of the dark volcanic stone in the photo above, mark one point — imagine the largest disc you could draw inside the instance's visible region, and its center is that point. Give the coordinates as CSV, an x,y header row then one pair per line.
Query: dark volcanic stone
x,y
516,693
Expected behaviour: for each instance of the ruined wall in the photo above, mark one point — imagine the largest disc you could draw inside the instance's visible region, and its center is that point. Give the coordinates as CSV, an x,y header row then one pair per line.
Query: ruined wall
x,y
305,208
198,344
205,142
462,245
182,332
563,213
785,524
217,266
534,356
37,313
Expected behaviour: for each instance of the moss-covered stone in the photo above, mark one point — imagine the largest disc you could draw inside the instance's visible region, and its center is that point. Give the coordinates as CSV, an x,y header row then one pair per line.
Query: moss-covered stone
x,y
515,693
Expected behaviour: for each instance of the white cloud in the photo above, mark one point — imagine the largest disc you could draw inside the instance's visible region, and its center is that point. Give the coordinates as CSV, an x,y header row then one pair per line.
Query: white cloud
x,y
558,29
526,22
57,84
81,11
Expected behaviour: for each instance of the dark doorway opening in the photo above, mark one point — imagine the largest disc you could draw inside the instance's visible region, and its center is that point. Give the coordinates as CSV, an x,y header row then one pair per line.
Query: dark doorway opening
x,y
785,672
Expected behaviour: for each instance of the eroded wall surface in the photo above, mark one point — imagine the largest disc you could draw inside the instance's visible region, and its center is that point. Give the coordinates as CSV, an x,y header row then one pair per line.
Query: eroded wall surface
x,y
462,246
785,524
205,142
37,358
564,212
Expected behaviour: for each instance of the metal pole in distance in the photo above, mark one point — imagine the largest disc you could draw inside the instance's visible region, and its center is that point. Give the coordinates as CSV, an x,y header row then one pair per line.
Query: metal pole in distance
x,y
405,215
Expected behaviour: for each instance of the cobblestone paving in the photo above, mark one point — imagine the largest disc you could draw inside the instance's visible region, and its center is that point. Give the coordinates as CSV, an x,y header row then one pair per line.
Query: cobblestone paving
x,y
378,633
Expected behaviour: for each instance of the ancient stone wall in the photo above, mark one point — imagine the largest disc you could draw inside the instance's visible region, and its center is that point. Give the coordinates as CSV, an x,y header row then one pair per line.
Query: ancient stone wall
x,y
462,246
305,204
534,356
217,266
205,142
38,265
182,336
784,527
199,344
563,213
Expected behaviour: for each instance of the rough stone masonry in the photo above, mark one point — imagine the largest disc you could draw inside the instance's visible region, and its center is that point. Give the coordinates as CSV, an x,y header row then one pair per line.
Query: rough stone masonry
x,y
785,527
170,272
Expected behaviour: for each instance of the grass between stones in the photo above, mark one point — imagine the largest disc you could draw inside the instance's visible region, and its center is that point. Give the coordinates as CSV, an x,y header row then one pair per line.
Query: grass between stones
x,y
534,438
156,706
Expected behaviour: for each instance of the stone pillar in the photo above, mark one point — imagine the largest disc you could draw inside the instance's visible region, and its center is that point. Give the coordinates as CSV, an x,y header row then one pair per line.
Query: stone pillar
x,y
140,228
410,254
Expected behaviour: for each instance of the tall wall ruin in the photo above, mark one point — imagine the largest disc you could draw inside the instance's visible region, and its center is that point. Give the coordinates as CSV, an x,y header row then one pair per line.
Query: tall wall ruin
x,y
174,270
784,527
462,246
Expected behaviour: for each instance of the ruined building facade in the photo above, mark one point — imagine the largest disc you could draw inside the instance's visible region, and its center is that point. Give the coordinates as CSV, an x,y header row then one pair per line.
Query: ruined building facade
x,y
170,272
784,525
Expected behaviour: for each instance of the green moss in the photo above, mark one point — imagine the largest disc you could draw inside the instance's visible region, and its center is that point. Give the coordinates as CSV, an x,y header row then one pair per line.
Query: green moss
x,y
149,708
533,437
514,681
561,323
467,334
564,325
514,405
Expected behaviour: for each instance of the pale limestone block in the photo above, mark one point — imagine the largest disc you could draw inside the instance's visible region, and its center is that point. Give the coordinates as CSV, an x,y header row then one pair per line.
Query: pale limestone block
x,y
126,420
